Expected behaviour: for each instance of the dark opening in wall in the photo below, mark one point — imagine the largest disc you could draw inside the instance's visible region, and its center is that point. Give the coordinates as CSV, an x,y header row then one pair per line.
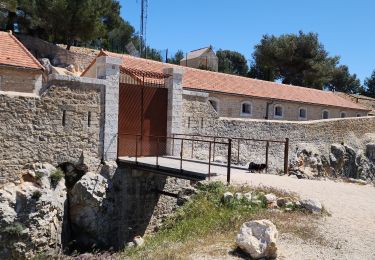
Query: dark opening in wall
x,y
189,122
89,119
64,118
202,122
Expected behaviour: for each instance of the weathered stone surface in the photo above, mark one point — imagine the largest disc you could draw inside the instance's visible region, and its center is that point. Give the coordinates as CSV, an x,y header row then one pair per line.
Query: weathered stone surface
x,y
258,239
35,211
312,205
87,210
35,130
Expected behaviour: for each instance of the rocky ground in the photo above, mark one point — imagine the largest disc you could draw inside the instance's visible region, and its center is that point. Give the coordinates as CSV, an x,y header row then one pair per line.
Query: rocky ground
x,y
349,231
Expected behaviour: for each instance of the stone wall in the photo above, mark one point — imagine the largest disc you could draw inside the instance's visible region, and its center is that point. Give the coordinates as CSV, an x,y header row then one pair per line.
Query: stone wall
x,y
20,80
200,118
230,106
61,125
58,56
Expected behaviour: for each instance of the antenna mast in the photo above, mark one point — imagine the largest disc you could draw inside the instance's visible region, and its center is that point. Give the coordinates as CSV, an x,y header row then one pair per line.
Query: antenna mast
x,y
143,29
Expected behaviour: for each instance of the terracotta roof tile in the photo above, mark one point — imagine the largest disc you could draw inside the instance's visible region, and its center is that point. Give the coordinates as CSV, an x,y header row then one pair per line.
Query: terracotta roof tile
x,y
225,83
13,53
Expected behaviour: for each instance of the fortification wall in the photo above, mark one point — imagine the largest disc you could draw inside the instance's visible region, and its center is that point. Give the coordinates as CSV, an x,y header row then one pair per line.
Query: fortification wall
x,y
200,118
58,56
61,125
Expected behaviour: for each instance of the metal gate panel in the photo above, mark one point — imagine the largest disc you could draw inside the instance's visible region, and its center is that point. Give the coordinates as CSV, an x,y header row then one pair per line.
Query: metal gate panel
x,y
142,119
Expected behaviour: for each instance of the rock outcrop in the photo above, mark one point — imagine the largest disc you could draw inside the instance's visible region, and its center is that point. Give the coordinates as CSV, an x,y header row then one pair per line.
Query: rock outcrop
x,y
258,239
89,210
32,214
343,161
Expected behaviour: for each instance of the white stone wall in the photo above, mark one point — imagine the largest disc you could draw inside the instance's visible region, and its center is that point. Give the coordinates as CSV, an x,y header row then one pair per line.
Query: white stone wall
x,y
20,80
230,106
200,118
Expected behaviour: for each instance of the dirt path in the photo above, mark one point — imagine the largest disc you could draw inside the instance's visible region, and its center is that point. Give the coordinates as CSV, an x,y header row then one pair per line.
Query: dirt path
x,y
350,231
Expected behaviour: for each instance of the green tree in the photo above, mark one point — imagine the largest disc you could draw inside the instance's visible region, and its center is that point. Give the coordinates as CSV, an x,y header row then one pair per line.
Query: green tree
x,y
232,62
343,81
120,36
178,56
153,54
293,59
72,21
370,85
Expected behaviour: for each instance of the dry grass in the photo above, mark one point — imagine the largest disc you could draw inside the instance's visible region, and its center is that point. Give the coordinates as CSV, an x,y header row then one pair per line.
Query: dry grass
x,y
209,226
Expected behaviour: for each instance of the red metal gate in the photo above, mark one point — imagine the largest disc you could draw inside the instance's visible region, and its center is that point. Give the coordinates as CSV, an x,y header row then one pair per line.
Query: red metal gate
x,y
142,117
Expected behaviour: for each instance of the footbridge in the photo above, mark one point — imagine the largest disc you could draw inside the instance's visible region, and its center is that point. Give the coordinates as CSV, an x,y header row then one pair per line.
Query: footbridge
x,y
194,157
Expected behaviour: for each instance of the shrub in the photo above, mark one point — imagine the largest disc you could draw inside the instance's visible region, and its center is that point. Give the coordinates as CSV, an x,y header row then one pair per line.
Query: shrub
x,y
36,195
15,229
56,176
39,176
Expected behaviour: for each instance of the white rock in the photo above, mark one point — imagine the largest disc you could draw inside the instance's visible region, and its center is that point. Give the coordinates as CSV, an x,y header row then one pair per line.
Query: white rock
x,y
258,239
312,205
238,195
248,196
228,196
270,198
138,241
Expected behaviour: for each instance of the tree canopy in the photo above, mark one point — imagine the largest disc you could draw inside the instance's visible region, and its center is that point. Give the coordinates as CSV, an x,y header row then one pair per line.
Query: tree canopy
x,y
343,81
370,85
178,56
66,21
232,62
293,59
300,59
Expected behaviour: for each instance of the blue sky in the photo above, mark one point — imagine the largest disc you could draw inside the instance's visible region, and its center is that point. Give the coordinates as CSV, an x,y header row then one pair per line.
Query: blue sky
x,y
345,27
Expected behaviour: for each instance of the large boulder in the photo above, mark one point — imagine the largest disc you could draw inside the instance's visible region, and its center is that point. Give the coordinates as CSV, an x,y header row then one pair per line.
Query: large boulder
x,y
88,207
32,214
312,205
258,239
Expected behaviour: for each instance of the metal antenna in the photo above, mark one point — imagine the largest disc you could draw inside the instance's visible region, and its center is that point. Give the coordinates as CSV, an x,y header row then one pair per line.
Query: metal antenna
x,y
142,34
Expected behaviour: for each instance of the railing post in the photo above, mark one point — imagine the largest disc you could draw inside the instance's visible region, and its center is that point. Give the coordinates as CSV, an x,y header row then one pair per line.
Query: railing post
x,y
173,144
213,155
181,153
209,161
267,147
192,149
229,159
136,149
286,156
238,152
157,152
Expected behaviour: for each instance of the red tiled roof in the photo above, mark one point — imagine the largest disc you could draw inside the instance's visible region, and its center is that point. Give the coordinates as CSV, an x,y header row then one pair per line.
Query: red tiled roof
x,y
13,53
219,82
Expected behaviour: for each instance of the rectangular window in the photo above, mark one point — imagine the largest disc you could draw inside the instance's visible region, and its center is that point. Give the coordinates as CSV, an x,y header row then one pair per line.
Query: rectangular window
x,y
278,111
302,113
64,118
89,119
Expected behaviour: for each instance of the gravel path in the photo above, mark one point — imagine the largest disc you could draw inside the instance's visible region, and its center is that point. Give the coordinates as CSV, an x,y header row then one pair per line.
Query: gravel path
x,y
350,231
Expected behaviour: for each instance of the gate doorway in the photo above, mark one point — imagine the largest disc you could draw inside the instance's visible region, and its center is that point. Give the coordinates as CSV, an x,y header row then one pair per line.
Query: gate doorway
x,y
143,104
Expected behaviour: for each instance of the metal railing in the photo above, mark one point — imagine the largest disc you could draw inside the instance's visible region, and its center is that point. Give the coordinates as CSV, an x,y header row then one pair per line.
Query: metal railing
x,y
145,146
237,141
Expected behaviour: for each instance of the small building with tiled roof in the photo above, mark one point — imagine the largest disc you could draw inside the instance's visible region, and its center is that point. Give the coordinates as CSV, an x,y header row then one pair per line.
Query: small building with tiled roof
x,y
241,97
20,71
203,58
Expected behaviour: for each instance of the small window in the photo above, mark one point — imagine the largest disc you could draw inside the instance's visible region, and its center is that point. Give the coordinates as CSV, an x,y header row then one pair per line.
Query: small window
x,y
343,114
279,111
89,119
214,103
325,114
302,113
359,115
63,118
246,109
